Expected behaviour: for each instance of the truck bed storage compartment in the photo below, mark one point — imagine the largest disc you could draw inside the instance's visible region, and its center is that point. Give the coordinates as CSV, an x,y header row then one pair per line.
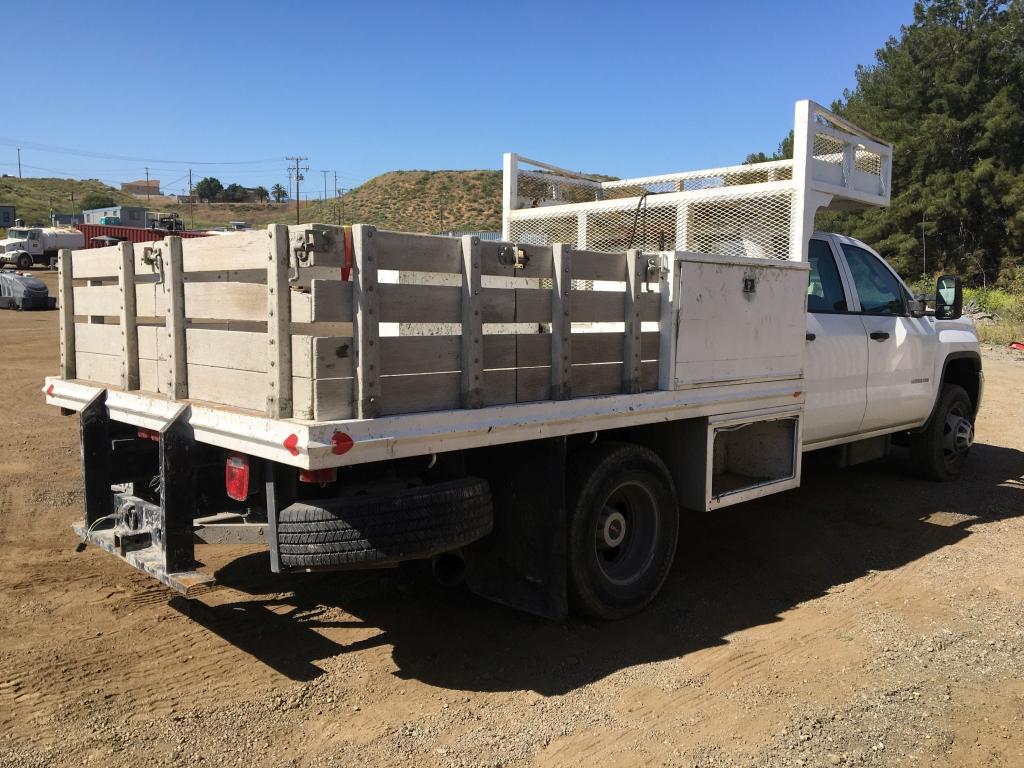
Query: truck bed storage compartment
x,y
727,459
752,455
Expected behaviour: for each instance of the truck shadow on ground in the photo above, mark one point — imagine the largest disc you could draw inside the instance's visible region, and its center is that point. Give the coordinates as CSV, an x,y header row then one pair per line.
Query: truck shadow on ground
x,y
738,568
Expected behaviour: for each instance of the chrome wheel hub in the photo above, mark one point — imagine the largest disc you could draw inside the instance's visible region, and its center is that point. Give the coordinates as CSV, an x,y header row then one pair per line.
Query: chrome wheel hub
x,y
613,529
958,436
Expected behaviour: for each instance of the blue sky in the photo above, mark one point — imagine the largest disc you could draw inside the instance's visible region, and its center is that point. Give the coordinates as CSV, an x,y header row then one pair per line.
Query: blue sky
x,y
362,88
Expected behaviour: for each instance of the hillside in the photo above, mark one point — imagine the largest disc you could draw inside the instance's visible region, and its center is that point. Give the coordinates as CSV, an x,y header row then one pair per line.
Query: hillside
x,y
417,201
33,198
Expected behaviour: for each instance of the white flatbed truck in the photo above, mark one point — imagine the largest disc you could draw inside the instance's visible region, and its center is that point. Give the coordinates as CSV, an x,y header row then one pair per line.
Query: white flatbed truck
x,y
534,414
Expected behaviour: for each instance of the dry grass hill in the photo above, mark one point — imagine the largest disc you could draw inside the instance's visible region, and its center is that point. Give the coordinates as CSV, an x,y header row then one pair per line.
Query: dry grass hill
x,y
417,201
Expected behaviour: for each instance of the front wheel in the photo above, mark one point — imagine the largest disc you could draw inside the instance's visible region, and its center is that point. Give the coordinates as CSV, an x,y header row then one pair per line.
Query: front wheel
x,y
939,452
24,261
623,527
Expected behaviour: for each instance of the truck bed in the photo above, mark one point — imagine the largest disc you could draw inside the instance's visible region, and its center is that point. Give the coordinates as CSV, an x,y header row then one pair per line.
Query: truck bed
x,y
321,346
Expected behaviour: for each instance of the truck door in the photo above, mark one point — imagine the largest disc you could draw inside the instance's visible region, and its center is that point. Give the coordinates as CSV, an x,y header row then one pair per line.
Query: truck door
x,y
900,347
34,243
837,352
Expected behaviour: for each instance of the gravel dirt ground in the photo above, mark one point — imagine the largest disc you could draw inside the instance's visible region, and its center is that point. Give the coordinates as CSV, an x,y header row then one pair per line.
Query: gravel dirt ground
x,y
868,618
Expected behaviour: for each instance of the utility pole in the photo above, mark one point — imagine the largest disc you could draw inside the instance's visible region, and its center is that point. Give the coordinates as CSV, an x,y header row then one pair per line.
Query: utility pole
x,y
19,162
340,193
298,178
147,186
289,169
191,203
325,185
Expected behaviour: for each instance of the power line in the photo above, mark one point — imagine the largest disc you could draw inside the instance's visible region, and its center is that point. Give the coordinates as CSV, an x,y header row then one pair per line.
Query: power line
x,y
55,149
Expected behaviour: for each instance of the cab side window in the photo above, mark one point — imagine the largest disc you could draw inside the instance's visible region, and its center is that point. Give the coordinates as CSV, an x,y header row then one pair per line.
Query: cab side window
x,y
879,291
825,289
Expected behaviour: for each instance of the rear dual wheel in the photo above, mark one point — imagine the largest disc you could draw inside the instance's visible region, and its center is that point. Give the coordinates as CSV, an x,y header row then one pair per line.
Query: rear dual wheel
x,y
623,528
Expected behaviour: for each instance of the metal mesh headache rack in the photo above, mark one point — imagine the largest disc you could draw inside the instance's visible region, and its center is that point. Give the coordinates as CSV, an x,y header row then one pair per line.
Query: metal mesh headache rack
x,y
758,210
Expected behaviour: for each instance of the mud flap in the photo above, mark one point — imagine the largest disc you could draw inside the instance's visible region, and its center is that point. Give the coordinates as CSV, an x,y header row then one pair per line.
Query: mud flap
x,y
155,539
522,563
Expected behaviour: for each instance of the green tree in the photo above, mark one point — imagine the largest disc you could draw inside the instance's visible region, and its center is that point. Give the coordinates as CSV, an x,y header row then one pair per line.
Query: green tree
x,y
261,194
949,93
96,200
278,192
235,193
208,188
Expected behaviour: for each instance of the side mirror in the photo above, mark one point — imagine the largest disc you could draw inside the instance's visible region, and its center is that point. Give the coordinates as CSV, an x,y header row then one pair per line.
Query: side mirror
x,y
949,298
916,307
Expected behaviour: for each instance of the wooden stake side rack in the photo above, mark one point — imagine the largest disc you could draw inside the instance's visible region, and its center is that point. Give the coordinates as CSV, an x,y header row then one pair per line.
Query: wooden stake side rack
x,y
264,321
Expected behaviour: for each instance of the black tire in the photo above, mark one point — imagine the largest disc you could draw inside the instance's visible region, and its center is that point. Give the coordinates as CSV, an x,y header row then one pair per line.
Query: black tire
x,y
385,528
25,261
939,452
623,528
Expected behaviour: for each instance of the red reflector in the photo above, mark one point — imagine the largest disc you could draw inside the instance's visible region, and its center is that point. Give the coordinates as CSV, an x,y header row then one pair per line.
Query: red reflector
x,y
49,390
291,442
341,443
328,475
236,476
149,434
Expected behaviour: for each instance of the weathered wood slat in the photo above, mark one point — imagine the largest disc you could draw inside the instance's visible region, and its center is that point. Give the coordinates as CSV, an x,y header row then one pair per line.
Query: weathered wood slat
x,y
323,399
561,322
99,339
97,262
472,352
226,301
175,352
609,306
366,316
594,265
97,300
322,357
418,253
499,258
635,271
330,301
148,340
239,250
128,337
244,350
105,369
66,306
278,351
227,386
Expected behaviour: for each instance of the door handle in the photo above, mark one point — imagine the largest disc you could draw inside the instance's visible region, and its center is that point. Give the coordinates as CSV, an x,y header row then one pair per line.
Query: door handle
x,y
811,337
879,335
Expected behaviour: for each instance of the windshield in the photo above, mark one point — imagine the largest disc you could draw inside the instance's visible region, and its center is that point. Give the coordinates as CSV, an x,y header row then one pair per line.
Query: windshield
x,y
21,234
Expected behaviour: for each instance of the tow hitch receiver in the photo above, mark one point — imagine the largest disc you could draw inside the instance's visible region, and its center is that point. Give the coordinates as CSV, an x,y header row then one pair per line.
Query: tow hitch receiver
x,y
156,539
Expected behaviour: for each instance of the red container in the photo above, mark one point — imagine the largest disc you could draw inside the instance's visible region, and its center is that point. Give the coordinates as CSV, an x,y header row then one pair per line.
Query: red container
x,y
131,234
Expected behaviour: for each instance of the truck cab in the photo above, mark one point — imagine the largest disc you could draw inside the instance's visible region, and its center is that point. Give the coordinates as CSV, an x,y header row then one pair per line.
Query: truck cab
x,y
21,246
877,362
27,246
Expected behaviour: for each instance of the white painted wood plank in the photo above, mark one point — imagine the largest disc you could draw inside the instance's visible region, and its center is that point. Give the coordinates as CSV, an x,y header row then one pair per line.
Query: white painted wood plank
x,y
176,351
129,338
66,306
472,352
97,300
278,306
366,320
561,322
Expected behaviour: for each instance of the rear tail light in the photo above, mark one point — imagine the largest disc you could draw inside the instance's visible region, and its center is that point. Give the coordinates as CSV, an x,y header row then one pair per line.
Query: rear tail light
x,y
236,476
149,434
321,476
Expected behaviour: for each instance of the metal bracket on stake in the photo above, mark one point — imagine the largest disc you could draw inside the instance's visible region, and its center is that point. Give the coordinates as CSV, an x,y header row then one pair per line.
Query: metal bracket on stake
x,y
152,257
657,268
